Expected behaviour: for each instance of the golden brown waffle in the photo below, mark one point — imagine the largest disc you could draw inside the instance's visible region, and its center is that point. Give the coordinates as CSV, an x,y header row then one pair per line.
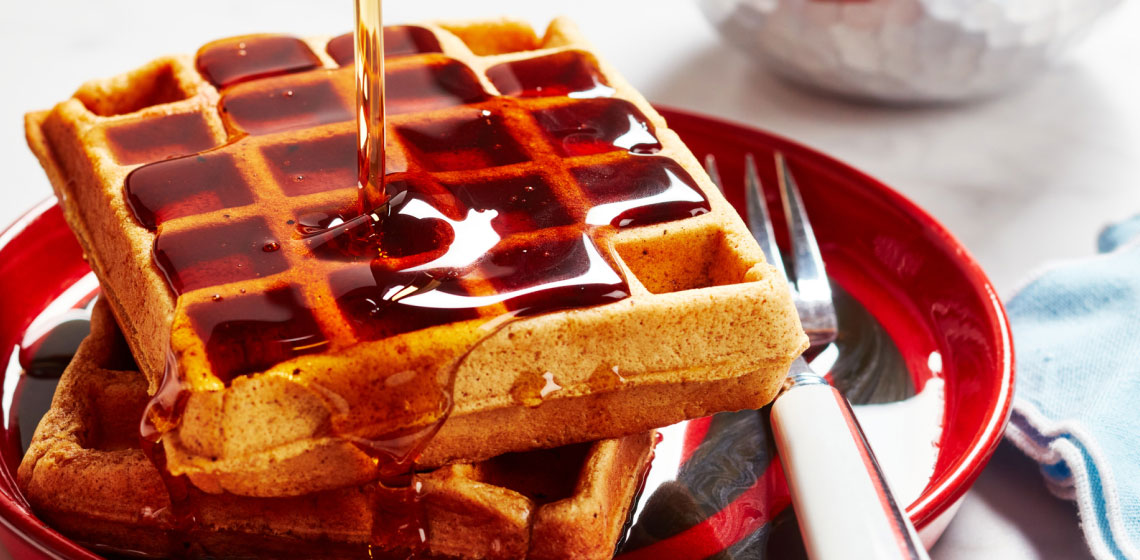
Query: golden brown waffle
x,y
651,302
85,475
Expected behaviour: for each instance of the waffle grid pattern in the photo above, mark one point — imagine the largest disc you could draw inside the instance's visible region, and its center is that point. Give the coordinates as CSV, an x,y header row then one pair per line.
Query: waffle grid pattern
x,y
250,193
706,325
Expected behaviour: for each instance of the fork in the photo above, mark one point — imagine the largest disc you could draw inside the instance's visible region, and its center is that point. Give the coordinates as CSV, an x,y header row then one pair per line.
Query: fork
x,y
843,504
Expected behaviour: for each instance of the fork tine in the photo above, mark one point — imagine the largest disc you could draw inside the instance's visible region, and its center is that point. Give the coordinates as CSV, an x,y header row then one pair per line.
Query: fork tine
x,y
759,222
714,173
807,263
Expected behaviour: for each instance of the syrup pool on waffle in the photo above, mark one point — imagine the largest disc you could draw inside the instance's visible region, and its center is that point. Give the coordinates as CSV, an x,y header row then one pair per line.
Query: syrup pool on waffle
x,y
497,206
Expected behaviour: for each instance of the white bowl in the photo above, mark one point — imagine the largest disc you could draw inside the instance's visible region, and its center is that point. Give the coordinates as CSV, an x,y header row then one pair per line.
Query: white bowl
x,y
905,51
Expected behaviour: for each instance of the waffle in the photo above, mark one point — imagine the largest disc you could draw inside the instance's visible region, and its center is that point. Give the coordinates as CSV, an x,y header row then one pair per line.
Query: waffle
x,y
569,502
621,292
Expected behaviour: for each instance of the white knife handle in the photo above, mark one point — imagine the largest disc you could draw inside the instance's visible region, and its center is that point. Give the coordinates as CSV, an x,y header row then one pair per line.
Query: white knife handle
x,y
843,504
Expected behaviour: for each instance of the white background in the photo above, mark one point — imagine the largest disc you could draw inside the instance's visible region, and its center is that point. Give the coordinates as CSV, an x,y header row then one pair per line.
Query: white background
x,y
1021,180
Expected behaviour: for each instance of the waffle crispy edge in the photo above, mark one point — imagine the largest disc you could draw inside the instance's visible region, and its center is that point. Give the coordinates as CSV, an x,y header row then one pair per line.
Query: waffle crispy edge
x,y
727,374
85,442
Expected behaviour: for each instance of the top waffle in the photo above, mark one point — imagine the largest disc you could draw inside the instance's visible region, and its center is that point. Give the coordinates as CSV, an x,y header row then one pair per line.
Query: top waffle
x,y
527,181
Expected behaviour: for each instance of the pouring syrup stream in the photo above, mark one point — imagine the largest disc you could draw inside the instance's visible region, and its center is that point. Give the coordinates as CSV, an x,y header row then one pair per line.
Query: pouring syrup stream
x,y
370,131
398,510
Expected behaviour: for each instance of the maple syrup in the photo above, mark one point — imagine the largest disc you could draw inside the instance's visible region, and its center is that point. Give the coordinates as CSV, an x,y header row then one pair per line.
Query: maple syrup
x,y
605,379
437,232
192,260
428,83
399,522
361,296
319,96
527,389
403,239
640,191
185,186
553,274
370,124
315,166
476,140
597,126
285,103
238,59
521,204
399,40
255,331
536,272
181,515
568,73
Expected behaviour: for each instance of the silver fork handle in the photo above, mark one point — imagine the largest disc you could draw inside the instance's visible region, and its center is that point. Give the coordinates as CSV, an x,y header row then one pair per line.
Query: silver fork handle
x,y
842,502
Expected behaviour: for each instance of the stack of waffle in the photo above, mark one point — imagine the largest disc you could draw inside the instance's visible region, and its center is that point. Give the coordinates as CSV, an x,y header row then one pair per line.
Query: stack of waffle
x,y
475,375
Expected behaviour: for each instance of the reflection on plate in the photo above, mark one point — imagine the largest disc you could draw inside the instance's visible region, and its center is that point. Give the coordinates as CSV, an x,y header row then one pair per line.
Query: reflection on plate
x,y
720,471
920,333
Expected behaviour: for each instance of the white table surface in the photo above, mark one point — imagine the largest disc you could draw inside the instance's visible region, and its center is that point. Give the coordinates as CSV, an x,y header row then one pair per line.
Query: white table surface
x,y
1021,180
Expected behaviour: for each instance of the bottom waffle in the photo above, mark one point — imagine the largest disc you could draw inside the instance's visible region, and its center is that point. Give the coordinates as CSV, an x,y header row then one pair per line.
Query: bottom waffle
x,y
86,476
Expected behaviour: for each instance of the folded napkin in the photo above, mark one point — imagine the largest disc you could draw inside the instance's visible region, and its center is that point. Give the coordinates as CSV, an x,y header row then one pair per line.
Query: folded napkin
x,y
1076,411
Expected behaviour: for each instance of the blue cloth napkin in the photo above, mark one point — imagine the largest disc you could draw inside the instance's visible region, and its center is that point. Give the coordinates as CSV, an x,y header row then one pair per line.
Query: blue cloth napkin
x,y
1076,410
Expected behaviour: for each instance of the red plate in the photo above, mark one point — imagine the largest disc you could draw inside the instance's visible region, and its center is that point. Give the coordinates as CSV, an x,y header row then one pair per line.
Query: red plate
x,y
893,258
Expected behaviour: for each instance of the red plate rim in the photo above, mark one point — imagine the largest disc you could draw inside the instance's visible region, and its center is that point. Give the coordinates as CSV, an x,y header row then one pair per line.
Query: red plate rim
x,y
14,511
952,485
934,501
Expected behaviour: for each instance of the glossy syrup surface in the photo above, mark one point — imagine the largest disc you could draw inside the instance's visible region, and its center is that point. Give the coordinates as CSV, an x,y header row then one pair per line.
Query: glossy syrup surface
x,y
639,192
315,166
597,126
494,207
369,88
474,229
569,73
229,61
285,103
399,40
231,252
186,186
254,331
471,139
